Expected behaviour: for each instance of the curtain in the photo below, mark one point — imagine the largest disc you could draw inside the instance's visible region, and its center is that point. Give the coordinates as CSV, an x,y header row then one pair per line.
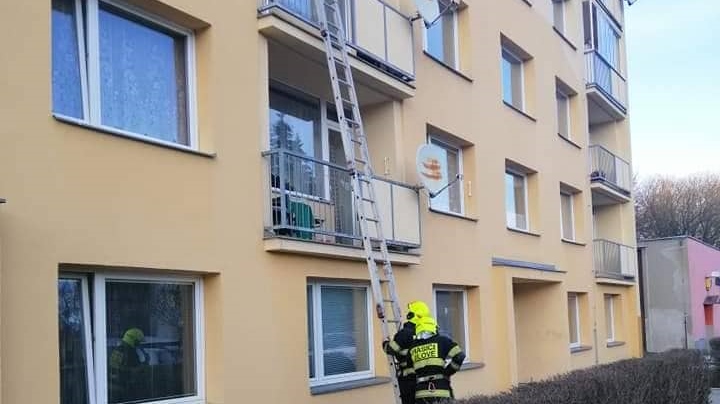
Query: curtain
x,y
66,82
344,329
451,314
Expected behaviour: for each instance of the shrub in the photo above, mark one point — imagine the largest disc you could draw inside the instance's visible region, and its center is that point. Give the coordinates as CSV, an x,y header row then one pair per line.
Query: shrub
x,y
673,377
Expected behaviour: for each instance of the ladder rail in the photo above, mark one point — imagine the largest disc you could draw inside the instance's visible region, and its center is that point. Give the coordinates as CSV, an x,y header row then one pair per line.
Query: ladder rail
x,y
353,136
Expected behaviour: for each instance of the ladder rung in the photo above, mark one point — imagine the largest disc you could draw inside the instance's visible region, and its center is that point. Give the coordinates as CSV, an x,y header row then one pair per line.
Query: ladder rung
x,y
368,200
361,161
372,219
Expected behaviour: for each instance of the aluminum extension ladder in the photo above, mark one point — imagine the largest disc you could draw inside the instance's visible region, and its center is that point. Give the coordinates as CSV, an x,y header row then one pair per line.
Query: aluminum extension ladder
x,y
358,162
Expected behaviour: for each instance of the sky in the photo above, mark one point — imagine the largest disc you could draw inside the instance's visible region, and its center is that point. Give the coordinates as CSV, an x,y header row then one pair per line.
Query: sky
x,y
673,49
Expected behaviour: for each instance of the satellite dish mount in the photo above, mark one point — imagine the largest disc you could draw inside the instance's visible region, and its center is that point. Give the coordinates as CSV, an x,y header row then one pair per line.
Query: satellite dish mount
x,y
430,11
431,165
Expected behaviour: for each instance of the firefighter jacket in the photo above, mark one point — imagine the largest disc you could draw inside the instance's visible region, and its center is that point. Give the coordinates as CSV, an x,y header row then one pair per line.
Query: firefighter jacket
x,y
435,359
399,348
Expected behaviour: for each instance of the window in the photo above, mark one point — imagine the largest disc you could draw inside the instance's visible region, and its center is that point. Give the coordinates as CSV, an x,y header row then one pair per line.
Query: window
x,y
451,314
574,319
563,113
512,79
451,199
610,317
516,204
147,339
567,215
441,40
559,14
339,335
117,68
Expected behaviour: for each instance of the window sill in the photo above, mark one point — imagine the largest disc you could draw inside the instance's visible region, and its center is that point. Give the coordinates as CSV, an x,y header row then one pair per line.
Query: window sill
x,y
519,111
522,231
350,385
580,348
472,365
447,66
566,39
452,214
613,344
529,4
573,242
127,135
570,142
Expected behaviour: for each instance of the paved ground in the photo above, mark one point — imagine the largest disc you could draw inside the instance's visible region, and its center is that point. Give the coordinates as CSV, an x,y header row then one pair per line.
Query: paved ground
x,y
715,397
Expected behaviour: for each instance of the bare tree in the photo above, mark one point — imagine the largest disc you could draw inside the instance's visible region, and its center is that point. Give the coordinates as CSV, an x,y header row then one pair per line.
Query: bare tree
x,y
688,206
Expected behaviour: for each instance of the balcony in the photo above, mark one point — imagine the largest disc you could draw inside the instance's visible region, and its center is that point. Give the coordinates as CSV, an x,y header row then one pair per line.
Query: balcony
x,y
607,89
614,260
315,208
610,177
615,9
380,39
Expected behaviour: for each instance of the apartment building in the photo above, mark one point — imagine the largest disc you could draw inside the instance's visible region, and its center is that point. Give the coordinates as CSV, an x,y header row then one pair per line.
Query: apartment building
x,y
175,167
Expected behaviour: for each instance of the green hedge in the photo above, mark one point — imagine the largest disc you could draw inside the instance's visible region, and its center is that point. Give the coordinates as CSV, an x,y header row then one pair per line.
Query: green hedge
x,y
673,377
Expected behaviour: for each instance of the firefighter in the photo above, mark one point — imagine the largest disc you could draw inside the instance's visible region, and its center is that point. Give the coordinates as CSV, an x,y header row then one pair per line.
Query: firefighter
x,y
435,358
126,365
399,346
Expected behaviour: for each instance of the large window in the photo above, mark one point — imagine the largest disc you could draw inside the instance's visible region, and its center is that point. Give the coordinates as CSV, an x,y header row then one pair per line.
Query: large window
x,y
120,69
567,215
563,113
512,79
451,314
339,336
451,199
574,319
147,340
441,40
516,203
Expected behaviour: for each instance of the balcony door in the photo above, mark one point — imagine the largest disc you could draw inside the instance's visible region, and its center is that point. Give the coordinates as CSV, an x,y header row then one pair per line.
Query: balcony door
x,y
339,185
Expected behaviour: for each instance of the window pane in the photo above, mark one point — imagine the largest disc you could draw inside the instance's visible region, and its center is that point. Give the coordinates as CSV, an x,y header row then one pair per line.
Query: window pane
x,y
566,212
150,341
143,82
573,319
66,83
563,112
311,332
609,323
73,360
449,200
295,126
520,208
451,314
507,84
441,37
344,330
559,14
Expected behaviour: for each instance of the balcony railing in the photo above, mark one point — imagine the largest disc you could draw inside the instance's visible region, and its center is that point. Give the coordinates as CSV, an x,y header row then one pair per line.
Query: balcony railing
x,y
610,170
380,34
606,79
614,260
315,203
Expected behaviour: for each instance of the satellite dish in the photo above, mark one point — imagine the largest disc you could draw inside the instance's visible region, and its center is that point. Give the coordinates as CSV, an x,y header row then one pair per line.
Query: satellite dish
x,y
430,163
429,10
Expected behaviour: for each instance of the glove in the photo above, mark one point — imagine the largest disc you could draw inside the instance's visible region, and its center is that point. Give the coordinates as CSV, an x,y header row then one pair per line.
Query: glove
x,y
385,345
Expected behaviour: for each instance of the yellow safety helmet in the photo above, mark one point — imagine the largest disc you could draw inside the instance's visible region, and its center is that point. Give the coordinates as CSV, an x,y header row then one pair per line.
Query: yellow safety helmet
x,y
417,310
133,336
426,324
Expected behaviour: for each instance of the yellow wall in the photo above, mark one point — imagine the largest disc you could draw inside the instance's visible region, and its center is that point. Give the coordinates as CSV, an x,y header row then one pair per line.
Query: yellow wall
x,y
78,196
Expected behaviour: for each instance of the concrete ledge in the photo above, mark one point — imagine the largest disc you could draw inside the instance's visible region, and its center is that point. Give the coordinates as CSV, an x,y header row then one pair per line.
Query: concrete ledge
x,y
504,262
606,279
581,348
292,246
342,386
472,365
615,343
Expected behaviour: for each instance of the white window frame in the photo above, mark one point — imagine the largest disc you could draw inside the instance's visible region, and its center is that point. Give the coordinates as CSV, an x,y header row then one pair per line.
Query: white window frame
x,y
559,93
572,216
563,7
96,353
456,42
611,327
90,70
465,345
320,379
578,328
525,196
437,141
513,58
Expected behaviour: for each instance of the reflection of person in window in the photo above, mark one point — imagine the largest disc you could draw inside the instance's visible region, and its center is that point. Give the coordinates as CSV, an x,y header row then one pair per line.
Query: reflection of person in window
x,y
125,365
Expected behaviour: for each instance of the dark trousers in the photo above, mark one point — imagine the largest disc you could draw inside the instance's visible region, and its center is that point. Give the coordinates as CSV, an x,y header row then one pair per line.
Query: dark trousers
x,y
430,400
407,390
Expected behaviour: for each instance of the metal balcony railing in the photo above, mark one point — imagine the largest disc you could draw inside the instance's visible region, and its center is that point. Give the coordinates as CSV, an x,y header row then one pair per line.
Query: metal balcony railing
x,y
381,34
603,76
610,170
614,260
315,203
